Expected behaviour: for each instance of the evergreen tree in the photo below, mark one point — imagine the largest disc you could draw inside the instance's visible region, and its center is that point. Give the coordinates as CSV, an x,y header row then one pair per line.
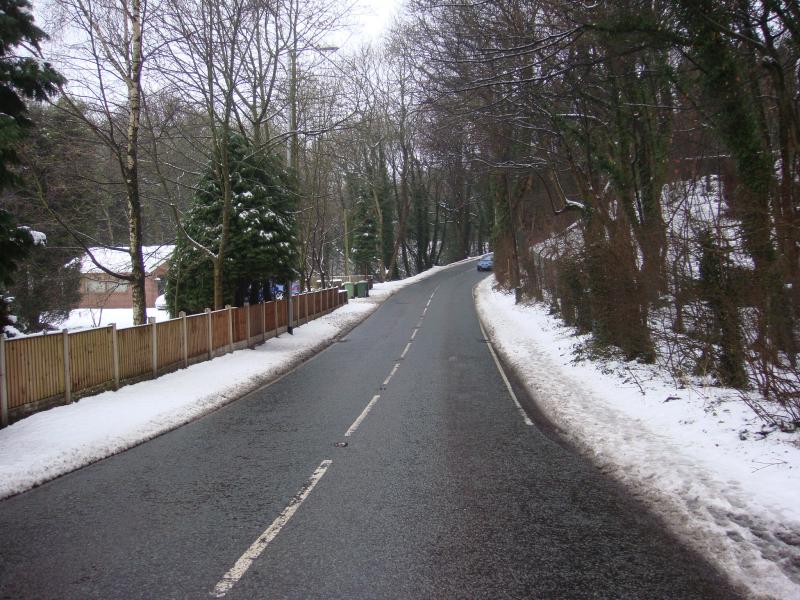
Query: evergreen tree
x,y
21,78
263,246
364,247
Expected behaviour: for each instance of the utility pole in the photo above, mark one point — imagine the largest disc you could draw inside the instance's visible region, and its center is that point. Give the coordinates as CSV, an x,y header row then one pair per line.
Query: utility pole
x,y
346,245
294,159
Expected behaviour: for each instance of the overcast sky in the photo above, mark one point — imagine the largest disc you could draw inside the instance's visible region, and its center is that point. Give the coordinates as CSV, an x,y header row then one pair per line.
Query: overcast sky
x,y
373,17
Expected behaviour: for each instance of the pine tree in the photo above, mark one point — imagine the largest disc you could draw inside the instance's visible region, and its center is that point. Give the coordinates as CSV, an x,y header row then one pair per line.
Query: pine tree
x,y
21,79
364,247
263,246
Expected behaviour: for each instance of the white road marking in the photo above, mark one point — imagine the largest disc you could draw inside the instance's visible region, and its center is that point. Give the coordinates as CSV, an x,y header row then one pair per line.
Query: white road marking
x,y
521,410
362,416
420,323
254,551
414,333
405,351
425,310
388,379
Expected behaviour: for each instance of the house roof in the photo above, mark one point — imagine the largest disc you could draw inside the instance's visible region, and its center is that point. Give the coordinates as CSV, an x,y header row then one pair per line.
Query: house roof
x,y
119,259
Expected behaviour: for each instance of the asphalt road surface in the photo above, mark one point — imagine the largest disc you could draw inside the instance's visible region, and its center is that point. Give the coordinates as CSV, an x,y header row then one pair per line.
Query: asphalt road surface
x,y
441,491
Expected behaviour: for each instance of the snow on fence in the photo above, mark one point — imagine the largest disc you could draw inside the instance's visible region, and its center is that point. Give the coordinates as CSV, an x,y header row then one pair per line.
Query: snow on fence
x,y
42,371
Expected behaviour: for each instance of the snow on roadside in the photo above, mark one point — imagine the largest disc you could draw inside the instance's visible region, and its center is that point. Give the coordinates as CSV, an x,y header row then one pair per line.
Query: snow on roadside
x,y
51,443
688,452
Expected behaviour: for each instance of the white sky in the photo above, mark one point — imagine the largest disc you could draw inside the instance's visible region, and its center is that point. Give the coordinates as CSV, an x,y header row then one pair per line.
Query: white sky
x,y
372,18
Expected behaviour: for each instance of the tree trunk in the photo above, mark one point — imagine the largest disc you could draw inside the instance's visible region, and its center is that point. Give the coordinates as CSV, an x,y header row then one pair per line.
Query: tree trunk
x,y
132,169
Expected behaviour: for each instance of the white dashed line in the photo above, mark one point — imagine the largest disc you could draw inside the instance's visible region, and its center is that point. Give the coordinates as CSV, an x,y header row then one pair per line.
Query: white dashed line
x,y
389,378
405,351
254,551
362,416
414,333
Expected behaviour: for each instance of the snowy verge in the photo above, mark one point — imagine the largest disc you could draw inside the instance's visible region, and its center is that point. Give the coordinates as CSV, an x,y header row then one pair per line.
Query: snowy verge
x,y
688,452
51,443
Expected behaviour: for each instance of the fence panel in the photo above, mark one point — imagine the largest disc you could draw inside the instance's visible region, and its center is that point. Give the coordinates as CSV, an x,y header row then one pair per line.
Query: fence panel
x,y
304,309
35,369
256,319
239,324
282,306
170,343
219,324
197,334
135,351
270,312
91,359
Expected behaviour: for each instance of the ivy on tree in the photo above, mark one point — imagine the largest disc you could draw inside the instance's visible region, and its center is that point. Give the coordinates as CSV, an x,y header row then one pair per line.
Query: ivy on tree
x,y
262,247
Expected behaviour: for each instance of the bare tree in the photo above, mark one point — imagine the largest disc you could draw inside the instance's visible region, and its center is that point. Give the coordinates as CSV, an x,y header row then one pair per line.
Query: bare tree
x,y
105,59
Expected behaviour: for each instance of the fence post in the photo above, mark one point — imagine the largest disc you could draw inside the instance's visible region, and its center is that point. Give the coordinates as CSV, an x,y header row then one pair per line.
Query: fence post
x,y
154,344
229,308
115,354
263,321
3,383
305,301
247,323
210,334
67,374
185,338
289,309
275,306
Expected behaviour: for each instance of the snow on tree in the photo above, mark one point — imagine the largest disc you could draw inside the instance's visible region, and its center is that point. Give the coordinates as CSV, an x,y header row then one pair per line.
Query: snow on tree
x,y
21,78
262,246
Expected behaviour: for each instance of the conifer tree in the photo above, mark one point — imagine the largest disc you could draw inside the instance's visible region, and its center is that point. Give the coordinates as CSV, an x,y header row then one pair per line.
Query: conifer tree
x,y
364,247
21,79
262,244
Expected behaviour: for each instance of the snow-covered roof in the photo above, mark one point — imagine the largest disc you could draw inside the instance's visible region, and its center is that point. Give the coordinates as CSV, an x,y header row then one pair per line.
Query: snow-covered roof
x,y
119,259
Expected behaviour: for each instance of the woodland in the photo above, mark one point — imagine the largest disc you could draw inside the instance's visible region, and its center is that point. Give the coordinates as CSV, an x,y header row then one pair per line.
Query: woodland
x,y
634,165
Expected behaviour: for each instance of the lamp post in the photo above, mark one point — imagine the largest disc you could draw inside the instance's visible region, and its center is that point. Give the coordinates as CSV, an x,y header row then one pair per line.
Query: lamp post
x,y
293,149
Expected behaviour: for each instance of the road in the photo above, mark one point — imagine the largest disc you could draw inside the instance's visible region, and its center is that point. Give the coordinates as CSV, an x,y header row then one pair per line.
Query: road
x,y
441,491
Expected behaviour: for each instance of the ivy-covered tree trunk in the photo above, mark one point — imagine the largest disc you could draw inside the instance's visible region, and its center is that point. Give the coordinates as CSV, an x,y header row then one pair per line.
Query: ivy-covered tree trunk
x,y
735,117
718,291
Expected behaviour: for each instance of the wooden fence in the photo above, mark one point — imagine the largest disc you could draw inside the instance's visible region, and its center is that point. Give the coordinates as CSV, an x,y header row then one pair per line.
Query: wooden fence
x,y
42,371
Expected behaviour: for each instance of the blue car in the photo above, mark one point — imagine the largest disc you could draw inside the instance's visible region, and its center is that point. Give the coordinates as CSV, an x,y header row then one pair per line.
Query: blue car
x,y
486,262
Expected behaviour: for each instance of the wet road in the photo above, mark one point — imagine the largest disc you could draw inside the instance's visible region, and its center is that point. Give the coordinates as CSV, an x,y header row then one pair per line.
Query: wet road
x,y
441,491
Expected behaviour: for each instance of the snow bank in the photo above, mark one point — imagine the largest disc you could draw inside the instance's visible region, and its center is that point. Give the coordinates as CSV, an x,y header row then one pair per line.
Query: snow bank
x,y
62,439
695,455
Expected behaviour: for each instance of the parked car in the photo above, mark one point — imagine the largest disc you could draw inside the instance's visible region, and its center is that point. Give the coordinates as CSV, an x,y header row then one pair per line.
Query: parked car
x,y
486,262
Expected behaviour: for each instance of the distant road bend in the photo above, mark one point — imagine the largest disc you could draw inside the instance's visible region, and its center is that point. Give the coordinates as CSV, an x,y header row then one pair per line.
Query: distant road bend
x,y
396,464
